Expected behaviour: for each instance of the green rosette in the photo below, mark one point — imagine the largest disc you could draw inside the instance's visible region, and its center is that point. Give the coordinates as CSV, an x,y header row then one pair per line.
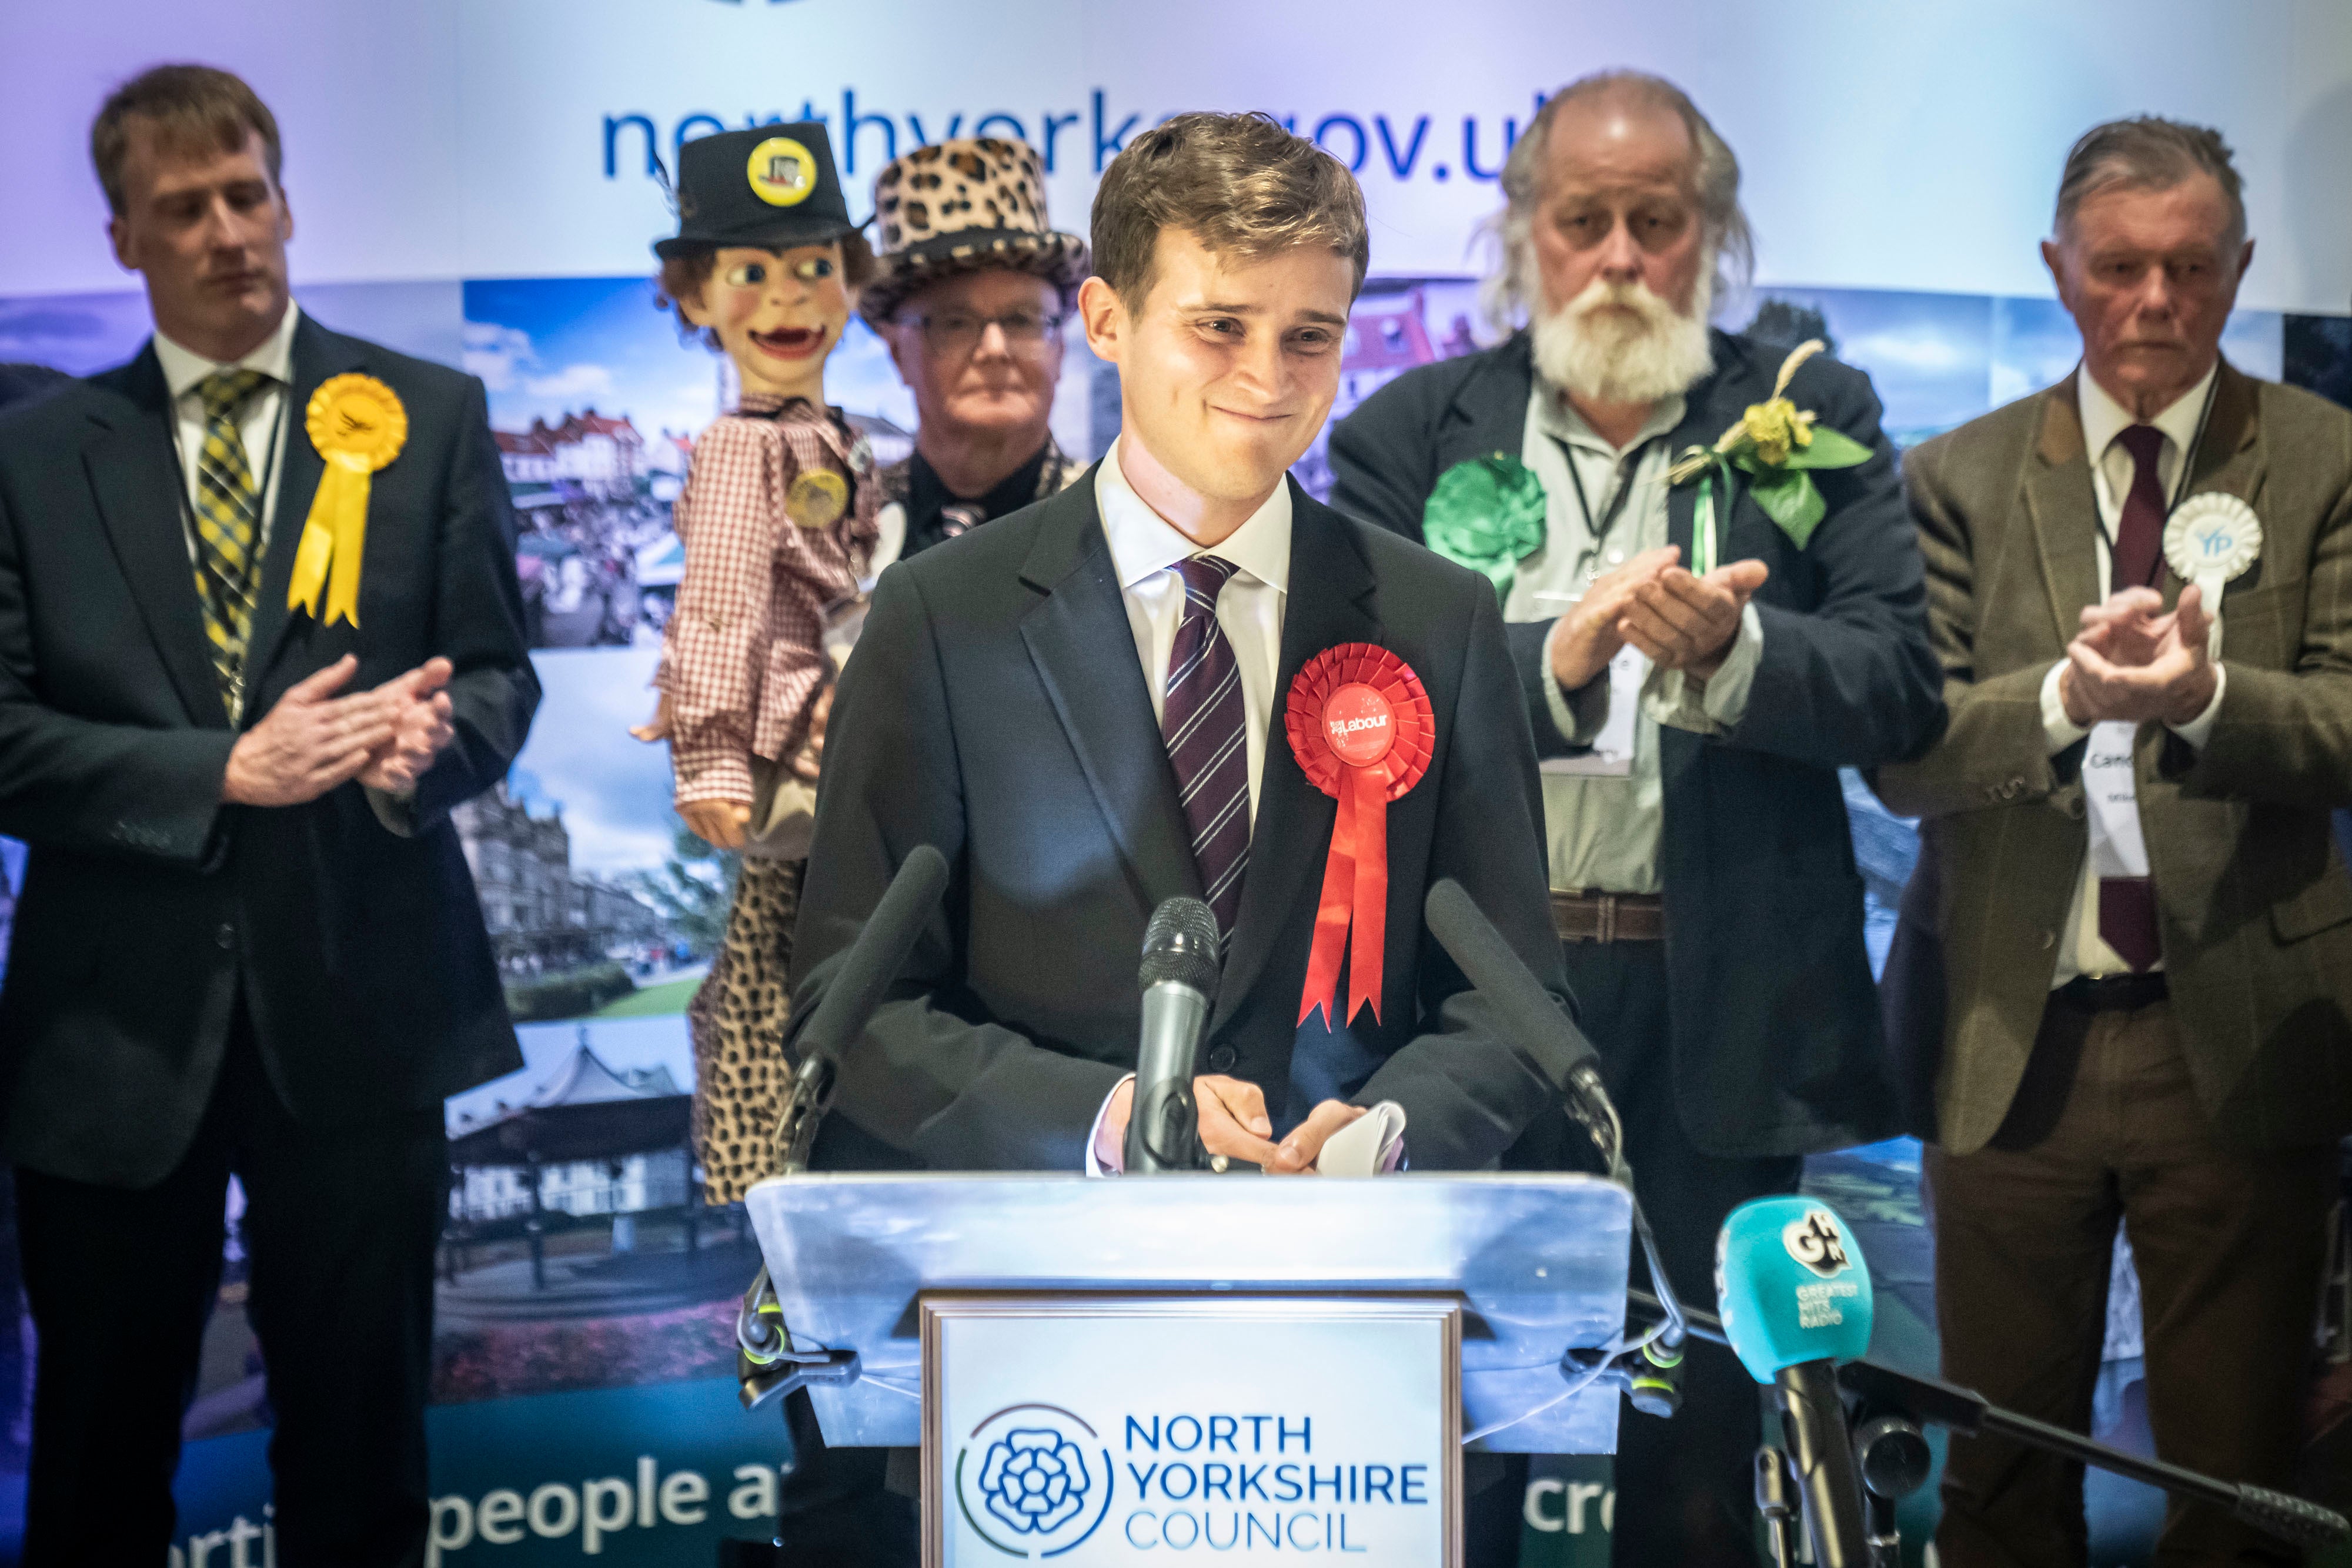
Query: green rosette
x,y
1487,513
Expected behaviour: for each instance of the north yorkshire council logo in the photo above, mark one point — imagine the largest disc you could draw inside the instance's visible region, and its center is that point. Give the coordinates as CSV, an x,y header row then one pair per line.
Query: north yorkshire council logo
x,y
1033,1480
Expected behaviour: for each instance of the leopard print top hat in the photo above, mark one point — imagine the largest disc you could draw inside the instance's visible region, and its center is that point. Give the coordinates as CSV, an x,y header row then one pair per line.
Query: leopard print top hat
x,y
961,206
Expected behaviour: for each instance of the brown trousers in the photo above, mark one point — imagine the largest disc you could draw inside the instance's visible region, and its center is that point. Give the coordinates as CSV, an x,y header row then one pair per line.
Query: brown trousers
x,y
2230,1247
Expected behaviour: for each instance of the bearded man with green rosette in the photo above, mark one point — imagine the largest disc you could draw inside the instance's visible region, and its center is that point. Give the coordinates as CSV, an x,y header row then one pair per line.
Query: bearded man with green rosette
x,y
1716,603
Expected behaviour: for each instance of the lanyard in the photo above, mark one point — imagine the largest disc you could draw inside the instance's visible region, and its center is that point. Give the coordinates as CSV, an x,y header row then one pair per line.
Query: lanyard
x,y
1588,560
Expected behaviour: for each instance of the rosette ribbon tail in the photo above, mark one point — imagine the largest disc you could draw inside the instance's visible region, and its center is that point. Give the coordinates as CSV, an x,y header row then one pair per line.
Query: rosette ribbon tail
x,y
1370,786
1334,911
334,536
1351,917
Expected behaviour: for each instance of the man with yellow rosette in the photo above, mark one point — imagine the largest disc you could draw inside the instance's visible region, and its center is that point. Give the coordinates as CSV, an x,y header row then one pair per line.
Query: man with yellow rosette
x,y
259,631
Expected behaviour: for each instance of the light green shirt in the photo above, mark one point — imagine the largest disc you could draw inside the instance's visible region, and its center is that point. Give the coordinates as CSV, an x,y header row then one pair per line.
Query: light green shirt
x,y
1602,829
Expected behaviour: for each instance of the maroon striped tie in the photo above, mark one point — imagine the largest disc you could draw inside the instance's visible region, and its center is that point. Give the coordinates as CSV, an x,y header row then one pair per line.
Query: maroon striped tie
x,y
2127,903
1206,723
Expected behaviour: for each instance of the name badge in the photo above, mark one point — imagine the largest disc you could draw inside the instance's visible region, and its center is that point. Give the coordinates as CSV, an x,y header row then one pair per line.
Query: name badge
x,y
2111,794
1611,755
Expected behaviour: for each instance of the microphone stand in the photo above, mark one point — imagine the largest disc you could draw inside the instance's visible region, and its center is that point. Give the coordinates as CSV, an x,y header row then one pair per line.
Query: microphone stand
x,y
1915,1401
766,1362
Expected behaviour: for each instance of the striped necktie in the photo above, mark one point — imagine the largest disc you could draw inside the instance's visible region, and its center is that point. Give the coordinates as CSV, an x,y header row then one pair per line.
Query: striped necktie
x,y
1205,722
228,528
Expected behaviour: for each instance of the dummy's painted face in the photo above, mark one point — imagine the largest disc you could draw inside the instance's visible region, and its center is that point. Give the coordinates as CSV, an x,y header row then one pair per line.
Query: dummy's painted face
x,y
778,314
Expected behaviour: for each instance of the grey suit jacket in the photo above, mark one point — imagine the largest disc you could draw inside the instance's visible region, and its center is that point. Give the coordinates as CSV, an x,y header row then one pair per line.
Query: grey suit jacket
x,y
2255,910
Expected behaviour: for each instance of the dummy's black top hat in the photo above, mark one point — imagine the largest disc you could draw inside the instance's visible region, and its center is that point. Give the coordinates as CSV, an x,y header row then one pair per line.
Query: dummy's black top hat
x,y
771,186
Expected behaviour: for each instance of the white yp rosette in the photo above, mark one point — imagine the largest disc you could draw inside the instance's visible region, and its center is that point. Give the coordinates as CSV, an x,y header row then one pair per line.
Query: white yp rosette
x,y
2211,538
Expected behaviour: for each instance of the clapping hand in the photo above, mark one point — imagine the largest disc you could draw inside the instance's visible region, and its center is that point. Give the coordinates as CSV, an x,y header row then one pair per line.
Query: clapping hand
x,y
312,741
1591,632
419,706
2133,663
1686,622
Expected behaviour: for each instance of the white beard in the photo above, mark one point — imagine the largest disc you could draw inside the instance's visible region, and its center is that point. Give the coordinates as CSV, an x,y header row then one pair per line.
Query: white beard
x,y
1612,359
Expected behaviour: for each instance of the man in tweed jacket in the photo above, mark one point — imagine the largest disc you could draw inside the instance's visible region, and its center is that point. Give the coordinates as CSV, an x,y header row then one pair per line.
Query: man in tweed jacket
x,y
2124,971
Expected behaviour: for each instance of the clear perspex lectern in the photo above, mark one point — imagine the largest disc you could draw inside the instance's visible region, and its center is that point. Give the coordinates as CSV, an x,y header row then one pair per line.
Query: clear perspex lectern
x,y
1103,1372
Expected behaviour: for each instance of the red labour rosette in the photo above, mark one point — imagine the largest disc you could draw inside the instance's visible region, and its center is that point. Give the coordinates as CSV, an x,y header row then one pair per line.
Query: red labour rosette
x,y
1361,725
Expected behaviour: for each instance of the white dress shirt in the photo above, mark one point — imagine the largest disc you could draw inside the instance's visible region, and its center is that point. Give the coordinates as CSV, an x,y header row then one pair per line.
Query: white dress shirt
x,y
1602,829
261,426
1144,551
2085,952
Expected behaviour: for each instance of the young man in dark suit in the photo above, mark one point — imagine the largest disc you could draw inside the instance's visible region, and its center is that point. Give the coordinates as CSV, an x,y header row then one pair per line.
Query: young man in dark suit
x,y
1692,714
1081,705
247,942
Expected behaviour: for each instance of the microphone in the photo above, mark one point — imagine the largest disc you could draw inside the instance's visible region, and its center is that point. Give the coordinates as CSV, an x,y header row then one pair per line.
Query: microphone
x,y
1179,979
1532,1018
766,1362
866,971
1796,1300
1535,1024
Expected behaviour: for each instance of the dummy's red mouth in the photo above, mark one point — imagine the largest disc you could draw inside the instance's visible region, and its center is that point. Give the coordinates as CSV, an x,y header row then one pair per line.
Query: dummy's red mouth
x,y
790,342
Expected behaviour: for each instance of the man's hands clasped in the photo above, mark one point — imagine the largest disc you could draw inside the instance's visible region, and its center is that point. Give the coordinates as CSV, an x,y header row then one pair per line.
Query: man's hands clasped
x,y
1233,1123
311,740
2133,663
1678,619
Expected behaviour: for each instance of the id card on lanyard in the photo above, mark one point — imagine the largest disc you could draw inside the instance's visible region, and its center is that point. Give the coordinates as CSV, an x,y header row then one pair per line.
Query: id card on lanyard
x,y
2110,787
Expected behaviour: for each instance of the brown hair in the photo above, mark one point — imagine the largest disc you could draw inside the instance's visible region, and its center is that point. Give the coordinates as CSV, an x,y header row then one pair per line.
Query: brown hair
x,y
682,278
191,108
1239,184
2148,153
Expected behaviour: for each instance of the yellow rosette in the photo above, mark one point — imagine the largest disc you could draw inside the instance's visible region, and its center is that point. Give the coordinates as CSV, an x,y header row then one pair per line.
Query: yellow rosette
x,y
357,425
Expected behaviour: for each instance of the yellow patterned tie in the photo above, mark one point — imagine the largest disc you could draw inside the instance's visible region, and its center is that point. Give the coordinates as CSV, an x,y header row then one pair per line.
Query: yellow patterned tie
x,y
228,528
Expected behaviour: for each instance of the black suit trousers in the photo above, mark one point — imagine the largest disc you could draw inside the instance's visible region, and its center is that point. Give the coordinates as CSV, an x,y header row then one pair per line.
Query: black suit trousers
x,y
340,1228
1685,1486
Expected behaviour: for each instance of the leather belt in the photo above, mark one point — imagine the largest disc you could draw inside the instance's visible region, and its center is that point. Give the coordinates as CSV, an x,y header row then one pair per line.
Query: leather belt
x,y
2114,993
1609,916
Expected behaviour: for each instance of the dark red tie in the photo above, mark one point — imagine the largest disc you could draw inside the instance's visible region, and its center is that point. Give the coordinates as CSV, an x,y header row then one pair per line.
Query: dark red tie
x,y
2127,903
1205,723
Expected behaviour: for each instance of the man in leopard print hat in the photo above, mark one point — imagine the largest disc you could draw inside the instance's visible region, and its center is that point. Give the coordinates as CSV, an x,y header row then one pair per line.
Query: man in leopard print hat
x,y
972,286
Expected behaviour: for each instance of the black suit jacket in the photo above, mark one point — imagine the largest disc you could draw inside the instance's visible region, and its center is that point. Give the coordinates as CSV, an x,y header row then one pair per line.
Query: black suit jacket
x,y
1777,1045
148,903
995,708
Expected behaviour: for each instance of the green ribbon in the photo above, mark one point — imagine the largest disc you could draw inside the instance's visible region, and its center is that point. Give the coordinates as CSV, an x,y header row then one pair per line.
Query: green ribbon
x,y
1487,513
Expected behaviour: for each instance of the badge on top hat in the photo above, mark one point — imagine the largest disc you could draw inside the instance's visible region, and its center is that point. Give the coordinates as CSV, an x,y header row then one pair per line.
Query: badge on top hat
x,y
771,186
965,205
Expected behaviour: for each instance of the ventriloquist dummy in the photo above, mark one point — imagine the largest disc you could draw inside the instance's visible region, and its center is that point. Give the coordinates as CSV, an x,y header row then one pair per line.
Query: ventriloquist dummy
x,y
778,521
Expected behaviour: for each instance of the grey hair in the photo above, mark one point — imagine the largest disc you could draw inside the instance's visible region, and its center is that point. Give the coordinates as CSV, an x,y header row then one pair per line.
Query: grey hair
x,y
1510,293
2148,153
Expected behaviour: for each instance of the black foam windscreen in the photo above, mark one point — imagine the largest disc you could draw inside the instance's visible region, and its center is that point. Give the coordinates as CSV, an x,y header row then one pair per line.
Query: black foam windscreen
x,y
1181,945
1532,1018
880,952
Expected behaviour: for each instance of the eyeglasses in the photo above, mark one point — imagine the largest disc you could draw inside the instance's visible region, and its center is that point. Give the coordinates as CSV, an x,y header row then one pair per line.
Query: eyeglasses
x,y
958,332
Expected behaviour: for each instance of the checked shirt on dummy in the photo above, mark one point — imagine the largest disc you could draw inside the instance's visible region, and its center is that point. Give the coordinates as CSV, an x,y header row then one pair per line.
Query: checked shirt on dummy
x,y
778,520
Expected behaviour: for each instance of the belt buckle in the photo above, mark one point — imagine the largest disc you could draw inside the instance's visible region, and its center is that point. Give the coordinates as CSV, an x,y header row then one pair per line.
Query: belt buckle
x,y
1608,921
